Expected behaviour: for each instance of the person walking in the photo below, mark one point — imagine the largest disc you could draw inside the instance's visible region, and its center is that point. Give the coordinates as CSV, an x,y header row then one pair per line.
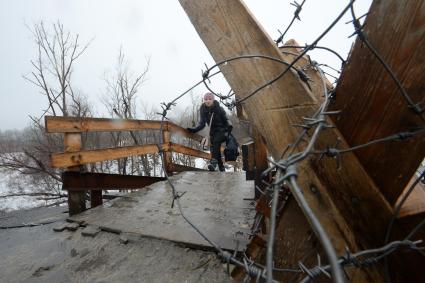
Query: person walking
x,y
213,115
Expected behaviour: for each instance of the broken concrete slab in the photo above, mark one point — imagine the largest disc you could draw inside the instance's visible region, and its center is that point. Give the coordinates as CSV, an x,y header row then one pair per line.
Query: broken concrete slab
x,y
59,227
37,254
123,239
72,226
213,201
90,231
33,217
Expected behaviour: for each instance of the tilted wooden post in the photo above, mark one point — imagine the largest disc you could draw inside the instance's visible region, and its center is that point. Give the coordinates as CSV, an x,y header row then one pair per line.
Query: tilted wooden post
x,y
76,199
166,139
260,157
372,106
341,199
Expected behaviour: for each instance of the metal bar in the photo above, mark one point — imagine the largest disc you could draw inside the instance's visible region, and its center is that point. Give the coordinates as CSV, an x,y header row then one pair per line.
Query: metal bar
x,y
75,181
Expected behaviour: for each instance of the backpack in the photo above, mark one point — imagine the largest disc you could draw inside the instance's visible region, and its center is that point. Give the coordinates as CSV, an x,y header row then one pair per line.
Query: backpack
x,y
231,152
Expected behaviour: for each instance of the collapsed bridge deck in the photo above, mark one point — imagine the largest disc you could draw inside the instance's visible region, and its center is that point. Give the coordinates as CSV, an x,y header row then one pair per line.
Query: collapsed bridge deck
x,y
219,204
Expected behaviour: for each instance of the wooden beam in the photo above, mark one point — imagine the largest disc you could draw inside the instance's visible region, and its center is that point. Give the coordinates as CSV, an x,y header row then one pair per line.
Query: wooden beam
x,y
289,54
75,181
175,129
189,151
76,200
341,199
68,159
248,160
167,155
372,106
55,124
415,202
217,23
260,156
182,168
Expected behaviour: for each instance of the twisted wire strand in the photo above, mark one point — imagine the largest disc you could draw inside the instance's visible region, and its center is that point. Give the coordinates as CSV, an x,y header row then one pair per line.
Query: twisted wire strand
x,y
286,172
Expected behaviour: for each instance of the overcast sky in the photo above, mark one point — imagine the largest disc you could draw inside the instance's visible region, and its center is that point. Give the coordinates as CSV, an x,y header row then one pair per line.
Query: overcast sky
x,y
158,30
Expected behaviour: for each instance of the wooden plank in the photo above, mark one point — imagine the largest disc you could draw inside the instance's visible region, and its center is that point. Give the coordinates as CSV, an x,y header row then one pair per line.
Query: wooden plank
x,y
372,105
73,181
228,29
189,151
260,156
76,200
175,129
412,262
55,124
415,202
95,198
167,155
181,168
248,160
289,54
220,35
68,159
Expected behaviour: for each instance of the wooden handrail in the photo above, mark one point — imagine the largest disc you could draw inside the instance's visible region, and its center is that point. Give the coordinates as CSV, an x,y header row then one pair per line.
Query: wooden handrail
x,y
75,155
68,159
58,124
55,124
189,151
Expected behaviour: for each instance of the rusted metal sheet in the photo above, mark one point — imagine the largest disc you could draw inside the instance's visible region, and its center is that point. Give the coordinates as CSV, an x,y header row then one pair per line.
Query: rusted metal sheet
x,y
75,181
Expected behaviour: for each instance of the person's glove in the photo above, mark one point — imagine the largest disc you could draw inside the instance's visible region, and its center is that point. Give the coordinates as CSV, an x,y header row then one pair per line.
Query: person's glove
x,y
229,129
191,130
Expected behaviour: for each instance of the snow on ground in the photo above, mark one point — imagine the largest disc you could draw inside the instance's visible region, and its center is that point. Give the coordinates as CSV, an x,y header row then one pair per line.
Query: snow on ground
x,y
14,179
14,182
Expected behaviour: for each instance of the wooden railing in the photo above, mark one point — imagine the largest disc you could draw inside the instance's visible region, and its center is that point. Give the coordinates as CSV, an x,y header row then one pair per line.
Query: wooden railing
x,y
74,155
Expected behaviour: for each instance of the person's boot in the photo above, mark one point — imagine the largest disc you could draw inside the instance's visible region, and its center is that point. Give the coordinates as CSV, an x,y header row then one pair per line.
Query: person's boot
x,y
213,164
221,166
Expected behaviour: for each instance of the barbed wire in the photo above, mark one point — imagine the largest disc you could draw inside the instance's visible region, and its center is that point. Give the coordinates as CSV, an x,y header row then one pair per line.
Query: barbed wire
x,y
298,8
222,254
316,47
416,107
286,171
206,76
306,49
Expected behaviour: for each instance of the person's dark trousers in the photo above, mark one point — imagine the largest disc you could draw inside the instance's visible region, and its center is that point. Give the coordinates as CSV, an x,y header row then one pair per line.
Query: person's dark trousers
x,y
217,138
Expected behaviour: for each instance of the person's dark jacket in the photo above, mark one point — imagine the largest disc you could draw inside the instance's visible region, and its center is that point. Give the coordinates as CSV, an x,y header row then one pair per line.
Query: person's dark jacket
x,y
219,123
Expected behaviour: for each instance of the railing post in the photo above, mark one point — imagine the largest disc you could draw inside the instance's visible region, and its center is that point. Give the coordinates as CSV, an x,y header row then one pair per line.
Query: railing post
x,y
96,198
255,155
260,160
76,199
166,138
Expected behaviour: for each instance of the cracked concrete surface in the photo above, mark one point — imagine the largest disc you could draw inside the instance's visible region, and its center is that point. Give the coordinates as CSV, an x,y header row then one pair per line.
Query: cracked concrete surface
x,y
38,254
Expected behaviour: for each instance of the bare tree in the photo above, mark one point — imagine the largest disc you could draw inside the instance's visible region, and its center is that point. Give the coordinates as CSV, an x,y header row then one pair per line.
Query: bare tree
x,y
121,101
58,51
